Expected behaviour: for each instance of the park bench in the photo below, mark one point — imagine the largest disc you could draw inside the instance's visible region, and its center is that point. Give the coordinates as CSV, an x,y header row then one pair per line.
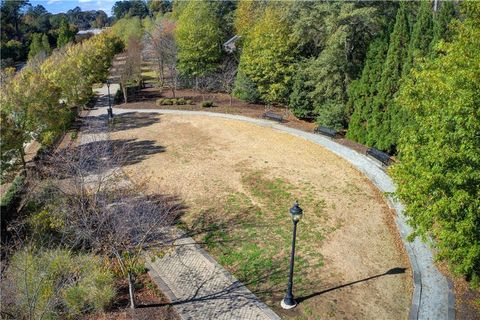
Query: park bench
x,y
379,155
329,132
272,116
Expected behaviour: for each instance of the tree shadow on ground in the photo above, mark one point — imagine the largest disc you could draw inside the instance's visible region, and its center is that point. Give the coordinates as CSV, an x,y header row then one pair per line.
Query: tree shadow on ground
x,y
133,120
97,157
121,122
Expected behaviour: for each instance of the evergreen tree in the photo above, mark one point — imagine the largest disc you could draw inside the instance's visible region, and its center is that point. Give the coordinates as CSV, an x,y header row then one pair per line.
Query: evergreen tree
x,y
384,133
362,92
35,45
422,36
46,44
337,51
65,34
441,21
300,101
245,89
438,175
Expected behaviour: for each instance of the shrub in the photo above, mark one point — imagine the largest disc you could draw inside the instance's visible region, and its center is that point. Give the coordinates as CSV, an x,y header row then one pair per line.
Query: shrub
x,y
173,101
245,89
181,101
207,104
17,184
118,98
331,114
55,284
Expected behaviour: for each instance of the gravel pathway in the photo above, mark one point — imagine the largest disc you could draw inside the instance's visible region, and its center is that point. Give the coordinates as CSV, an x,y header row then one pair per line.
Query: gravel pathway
x,y
433,296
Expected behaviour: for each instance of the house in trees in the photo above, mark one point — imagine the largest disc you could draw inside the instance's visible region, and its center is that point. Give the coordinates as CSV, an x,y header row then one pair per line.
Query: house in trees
x,y
230,45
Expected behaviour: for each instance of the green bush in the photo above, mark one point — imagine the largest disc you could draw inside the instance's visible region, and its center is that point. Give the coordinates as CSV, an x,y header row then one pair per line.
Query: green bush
x,y
331,114
300,100
118,98
207,104
55,284
245,89
12,192
173,101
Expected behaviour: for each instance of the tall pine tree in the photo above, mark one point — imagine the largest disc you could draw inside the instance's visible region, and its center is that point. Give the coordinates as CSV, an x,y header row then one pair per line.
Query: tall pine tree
x,y
384,133
422,36
442,19
362,92
35,45
46,44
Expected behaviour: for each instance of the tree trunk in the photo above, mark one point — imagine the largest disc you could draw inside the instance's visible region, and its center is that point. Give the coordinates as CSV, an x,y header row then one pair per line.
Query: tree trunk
x,y
21,151
124,90
131,291
162,76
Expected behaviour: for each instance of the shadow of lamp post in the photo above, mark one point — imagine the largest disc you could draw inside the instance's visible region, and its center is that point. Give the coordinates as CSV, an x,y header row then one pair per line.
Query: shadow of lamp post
x,y
289,302
110,111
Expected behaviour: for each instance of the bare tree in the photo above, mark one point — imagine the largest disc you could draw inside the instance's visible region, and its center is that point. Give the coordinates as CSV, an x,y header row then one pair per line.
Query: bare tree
x,y
98,209
226,75
131,70
164,49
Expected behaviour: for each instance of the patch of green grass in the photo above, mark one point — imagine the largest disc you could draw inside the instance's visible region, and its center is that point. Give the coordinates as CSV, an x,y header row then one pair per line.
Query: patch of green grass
x,y
250,232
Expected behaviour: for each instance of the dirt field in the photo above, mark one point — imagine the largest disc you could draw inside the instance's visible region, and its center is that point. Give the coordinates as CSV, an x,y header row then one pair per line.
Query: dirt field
x,y
239,181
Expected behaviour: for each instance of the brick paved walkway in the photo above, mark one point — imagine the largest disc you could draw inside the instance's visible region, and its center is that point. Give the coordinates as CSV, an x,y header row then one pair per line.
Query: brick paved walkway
x,y
200,288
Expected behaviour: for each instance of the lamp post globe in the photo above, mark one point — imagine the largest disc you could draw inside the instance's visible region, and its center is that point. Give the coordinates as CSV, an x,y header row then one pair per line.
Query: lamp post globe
x,y
296,212
288,301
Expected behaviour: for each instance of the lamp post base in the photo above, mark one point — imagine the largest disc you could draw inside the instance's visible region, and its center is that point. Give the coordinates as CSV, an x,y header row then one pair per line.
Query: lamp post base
x,y
288,304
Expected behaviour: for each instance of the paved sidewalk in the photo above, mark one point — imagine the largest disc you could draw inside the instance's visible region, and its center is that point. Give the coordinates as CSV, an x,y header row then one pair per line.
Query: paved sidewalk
x,y
433,296
200,288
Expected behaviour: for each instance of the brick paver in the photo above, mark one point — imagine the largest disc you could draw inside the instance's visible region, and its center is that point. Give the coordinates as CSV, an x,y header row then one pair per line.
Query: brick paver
x,y
202,289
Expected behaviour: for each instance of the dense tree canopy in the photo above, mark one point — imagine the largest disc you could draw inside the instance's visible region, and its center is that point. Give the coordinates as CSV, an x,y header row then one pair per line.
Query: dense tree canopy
x,y
268,55
39,101
398,76
199,37
438,175
21,21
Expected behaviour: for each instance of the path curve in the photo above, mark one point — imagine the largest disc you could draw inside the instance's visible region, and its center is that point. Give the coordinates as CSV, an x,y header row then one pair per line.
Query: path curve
x,y
433,296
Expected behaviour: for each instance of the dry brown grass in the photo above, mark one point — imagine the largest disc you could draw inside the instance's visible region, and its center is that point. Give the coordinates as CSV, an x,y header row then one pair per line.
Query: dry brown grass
x,y
240,179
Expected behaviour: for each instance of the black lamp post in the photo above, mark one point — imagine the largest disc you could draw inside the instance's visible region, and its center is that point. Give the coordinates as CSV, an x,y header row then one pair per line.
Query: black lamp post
x,y
110,111
289,302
